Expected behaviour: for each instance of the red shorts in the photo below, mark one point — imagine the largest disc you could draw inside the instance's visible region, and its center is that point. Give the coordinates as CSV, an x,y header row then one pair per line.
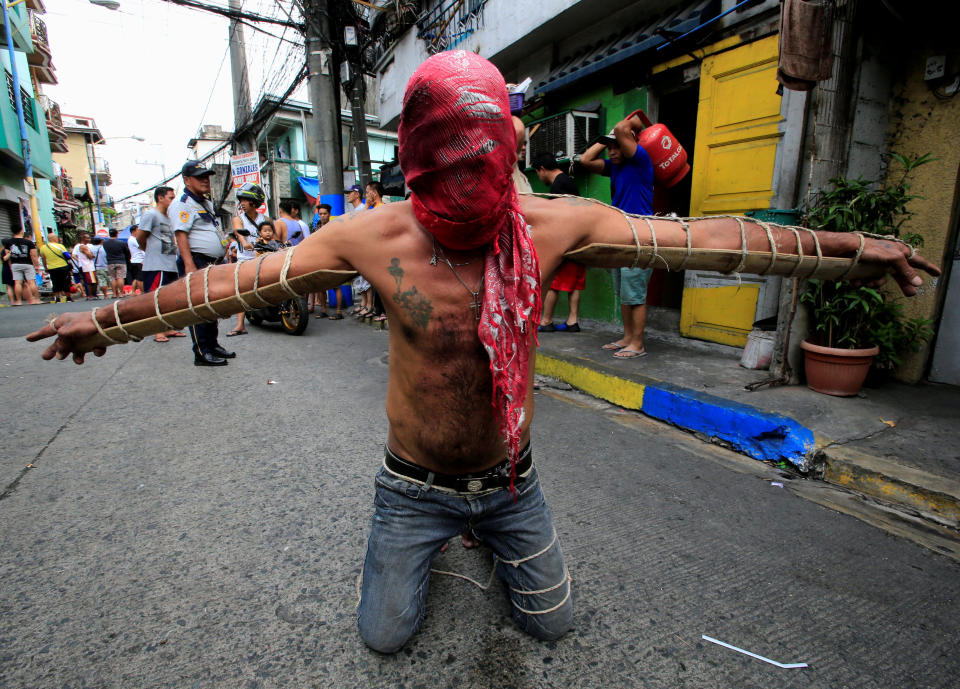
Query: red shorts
x,y
570,276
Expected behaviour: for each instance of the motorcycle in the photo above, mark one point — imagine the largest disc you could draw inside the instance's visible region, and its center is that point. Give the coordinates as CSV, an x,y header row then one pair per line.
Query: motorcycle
x,y
292,315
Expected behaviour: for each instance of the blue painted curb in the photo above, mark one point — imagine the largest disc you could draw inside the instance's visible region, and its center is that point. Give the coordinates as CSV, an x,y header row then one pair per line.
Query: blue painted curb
x,y
757,434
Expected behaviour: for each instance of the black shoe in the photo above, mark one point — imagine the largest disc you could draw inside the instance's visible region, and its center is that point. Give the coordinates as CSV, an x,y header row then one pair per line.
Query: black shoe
x,y
548,328
223,353
567,328
207,359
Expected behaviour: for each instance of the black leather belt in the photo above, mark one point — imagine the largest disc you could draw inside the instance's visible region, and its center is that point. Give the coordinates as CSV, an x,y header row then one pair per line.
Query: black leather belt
x,y
489,479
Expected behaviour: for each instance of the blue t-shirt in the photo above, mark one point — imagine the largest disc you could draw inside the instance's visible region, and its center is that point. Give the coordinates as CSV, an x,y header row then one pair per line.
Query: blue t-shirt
x,y
631,183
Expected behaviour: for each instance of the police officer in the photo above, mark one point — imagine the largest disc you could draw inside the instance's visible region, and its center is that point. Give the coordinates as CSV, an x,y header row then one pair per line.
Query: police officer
x,y
201,243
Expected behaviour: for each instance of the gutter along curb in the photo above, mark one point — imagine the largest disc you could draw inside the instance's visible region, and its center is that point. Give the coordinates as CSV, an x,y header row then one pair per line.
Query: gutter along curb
x,y
763,436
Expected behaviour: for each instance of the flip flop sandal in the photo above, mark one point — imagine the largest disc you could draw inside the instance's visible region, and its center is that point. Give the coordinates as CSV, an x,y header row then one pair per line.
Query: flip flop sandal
x,y
161,338
629,354
234,333
336,317
177,334
612,345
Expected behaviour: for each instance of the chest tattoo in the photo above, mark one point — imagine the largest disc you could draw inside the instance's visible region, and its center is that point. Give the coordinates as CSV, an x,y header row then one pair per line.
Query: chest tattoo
x,y
417,305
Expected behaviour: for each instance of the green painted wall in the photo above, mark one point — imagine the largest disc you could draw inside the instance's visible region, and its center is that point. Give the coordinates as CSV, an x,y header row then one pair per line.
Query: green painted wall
x,y
45,204
597,302
10,130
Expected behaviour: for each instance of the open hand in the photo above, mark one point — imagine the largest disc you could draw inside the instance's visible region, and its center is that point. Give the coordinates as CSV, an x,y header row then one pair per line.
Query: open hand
x,y
896,256
70,329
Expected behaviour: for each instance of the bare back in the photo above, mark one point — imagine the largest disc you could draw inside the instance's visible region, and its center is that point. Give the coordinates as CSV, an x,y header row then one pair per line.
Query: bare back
x,y
440,395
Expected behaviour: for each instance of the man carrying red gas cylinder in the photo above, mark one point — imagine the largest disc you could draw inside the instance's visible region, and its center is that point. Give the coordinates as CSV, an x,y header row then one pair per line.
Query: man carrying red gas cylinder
x,y
631,173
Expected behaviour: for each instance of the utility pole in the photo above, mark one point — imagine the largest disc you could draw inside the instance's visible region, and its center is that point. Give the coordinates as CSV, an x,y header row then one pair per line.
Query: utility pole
x,y
325,122
357,108
242,111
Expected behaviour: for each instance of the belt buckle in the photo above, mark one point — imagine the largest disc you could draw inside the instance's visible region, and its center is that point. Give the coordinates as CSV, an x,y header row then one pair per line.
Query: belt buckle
x,y
474,485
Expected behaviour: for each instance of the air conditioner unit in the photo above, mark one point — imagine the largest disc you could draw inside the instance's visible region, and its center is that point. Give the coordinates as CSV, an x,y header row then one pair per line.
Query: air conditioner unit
x,y
563,135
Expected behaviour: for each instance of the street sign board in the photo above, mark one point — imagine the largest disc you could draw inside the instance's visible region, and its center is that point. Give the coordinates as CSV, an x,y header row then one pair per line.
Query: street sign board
x,y
245,168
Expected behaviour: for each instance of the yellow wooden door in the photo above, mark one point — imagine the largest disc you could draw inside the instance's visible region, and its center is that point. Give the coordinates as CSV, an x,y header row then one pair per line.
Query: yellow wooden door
x,y
738,129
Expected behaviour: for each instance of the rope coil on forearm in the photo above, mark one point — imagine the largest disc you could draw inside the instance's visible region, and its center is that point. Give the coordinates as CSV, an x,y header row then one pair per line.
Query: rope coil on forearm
x,y
686,229
796,236
743,246
156,307
236,288
206,293
653,238
256,283
856,258
283,275
190,306
103,334
773,246
116,317
816,246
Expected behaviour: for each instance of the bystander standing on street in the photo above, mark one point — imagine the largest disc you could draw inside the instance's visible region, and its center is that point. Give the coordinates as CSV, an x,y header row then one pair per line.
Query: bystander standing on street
x,y
155,237
22,255
55,259
246,229
83,254
374,302
570,277
100,268
118,253
201,243
354,194
631,184
320,298
136,261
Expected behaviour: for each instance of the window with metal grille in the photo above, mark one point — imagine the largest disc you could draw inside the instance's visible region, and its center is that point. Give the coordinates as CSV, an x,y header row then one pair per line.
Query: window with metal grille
x,y
563,135
25,100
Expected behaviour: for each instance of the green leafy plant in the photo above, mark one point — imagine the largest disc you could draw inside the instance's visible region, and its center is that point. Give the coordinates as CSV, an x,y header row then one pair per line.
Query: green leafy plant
x,y
855,317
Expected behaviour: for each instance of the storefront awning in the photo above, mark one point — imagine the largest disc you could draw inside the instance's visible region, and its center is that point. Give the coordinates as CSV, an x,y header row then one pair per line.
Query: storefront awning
x,y
310,187
629,44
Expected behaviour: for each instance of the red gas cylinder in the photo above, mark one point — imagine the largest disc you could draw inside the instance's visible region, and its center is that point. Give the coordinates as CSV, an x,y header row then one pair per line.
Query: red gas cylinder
x,y
668,156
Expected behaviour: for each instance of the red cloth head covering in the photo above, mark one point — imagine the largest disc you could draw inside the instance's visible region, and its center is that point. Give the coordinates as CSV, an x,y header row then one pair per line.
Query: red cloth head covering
x,y
457,152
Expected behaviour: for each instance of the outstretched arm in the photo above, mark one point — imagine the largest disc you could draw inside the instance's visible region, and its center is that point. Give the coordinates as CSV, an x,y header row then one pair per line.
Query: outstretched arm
x,y
607,237
216,292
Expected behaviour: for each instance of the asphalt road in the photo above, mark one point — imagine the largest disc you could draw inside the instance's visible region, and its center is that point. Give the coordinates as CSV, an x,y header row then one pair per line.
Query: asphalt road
x,y
187,527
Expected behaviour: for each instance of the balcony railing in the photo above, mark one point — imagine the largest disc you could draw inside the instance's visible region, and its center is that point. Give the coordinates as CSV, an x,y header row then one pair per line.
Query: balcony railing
x,y
102,167
450,22
38,29
52,108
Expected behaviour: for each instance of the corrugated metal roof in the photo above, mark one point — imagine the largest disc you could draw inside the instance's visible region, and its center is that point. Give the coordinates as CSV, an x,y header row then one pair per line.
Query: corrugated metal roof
x,y
629,43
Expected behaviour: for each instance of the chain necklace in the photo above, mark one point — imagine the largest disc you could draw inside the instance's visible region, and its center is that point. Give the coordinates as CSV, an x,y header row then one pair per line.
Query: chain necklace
x,y
475,302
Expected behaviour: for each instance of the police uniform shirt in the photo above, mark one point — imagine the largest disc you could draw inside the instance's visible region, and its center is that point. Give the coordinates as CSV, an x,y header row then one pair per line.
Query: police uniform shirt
x,y
194,215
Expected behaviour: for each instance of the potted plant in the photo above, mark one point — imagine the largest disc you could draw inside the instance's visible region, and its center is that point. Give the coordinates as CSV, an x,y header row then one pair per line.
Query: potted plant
x,y
854,327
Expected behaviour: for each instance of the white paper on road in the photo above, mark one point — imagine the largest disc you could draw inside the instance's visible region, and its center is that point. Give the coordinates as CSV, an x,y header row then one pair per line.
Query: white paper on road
x,y
785,666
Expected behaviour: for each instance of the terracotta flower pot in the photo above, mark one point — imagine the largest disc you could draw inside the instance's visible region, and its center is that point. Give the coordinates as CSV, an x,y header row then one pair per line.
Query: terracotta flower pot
x,y
838,372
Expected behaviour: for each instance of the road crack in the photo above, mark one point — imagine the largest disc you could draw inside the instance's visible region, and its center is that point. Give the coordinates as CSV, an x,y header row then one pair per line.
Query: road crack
x,y
12,486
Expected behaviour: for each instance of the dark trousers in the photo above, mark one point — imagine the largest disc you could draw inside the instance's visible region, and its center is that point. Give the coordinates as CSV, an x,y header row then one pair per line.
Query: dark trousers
x,y
203,335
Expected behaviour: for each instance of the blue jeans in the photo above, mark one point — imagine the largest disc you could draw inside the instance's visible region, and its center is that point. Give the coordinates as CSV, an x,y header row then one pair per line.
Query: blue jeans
x,y
411,522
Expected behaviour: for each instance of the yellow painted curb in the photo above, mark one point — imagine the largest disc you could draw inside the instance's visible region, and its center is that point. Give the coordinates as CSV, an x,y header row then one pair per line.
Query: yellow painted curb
x,y
624,393
932,496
